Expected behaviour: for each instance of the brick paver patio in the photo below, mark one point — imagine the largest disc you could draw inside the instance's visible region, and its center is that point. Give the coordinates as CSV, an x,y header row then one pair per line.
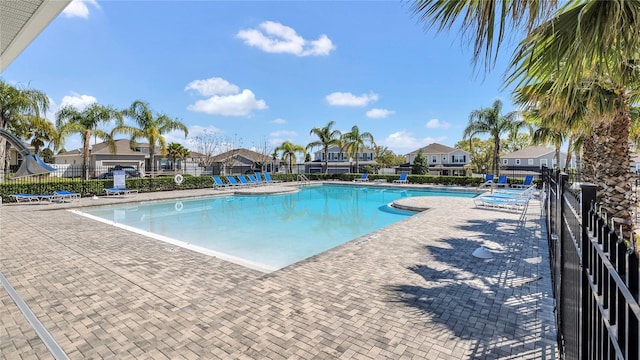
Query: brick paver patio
x,y
409,291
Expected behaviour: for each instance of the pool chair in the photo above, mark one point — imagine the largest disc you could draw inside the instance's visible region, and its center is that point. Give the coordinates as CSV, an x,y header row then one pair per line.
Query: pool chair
x,y
514,203
218,183
34,198
67,195
403,179
254,181
232,181
365,177
268,178
502,181
528,181
259,179
119,191
244,181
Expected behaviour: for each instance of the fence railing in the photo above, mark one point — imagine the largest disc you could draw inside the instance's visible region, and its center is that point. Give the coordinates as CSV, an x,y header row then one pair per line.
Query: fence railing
x,y
595,275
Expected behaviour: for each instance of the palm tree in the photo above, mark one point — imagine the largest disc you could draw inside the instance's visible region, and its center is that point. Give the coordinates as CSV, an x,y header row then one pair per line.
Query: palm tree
x,y
16,103
70,120
289,151
177,151
150,127
326,138
586,40
354,142
491,121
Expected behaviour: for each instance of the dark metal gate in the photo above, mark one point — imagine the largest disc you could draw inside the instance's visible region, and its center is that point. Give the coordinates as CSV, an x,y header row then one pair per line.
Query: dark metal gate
x,y
595,275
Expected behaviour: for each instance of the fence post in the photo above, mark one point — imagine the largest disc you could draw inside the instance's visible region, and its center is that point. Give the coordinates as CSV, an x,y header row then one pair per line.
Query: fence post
x,y
587,199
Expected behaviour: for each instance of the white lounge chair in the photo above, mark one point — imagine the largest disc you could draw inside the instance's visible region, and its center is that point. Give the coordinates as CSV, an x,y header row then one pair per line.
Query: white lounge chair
x,y
118,191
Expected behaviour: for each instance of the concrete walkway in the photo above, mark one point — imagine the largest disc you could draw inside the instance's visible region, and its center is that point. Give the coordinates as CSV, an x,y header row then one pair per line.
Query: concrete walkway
x,y
409,291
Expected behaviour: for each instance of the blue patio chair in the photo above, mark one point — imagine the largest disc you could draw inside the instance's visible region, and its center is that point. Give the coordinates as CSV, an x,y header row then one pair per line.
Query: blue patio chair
x,y
502,181
268,178
67,195
218,183
259,179
119,191
244,181
365,177
528,181
232,181
253,180
30,198
403,179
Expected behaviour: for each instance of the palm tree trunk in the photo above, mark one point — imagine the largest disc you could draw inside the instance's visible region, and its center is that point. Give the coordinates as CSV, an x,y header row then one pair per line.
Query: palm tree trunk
x,y
567,162
85,154
618,199
496,156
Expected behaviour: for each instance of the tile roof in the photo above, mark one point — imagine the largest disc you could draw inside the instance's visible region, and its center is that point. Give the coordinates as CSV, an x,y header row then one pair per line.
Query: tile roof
x,y
245,153
434,149
529,152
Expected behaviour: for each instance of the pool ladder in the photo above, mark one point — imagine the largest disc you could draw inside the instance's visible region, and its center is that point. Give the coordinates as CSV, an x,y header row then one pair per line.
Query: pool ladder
x,y
302,178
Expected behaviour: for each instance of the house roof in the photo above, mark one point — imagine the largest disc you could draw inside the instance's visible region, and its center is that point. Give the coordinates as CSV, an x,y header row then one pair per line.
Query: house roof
x,y
245,153
530,152
434,149
122,148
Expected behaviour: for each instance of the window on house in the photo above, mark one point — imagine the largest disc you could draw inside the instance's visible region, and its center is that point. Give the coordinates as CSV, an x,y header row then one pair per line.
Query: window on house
x,y
458,159
434,159
505,161
543,162
444,158
530,162
517,161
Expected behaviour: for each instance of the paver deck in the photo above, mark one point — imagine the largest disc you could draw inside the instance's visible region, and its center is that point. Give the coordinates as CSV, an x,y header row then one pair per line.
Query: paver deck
x,y
409,291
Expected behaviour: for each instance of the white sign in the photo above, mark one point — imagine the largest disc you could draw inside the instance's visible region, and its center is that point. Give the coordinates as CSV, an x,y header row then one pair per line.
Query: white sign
x,y
118,179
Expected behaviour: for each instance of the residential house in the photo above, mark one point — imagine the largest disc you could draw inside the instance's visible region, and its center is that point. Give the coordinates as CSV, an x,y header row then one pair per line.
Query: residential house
x,y
101,158
443,160
339,161
533,158
241,161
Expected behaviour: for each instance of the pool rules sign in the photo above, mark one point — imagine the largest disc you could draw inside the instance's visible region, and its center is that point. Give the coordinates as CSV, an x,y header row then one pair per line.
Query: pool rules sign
x,y
118,179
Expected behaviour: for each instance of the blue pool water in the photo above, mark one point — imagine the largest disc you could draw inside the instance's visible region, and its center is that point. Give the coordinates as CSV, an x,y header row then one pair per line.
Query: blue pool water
x,y
267,232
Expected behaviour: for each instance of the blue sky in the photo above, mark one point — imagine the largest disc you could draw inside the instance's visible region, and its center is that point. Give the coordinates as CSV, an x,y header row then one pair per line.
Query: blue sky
x,y
264,71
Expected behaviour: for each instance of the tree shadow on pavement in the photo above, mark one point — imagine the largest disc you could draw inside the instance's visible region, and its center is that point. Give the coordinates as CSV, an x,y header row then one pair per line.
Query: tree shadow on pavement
x,y
490,308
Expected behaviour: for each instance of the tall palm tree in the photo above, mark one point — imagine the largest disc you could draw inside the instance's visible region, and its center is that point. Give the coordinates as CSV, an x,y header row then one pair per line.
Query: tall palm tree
x,y
16,103
150,127
585,39
491,121
289,151
355,142
327,137
70,120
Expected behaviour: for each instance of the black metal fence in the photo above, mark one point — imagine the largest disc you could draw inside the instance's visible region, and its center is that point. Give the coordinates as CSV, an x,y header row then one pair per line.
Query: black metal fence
x,y
595,275
96,179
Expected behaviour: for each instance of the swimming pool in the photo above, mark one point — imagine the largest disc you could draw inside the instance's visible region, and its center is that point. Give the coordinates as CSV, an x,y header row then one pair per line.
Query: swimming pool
x,y
266,232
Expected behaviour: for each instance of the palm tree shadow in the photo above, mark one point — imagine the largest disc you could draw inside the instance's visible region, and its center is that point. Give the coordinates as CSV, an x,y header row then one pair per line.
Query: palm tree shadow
x,y
494,304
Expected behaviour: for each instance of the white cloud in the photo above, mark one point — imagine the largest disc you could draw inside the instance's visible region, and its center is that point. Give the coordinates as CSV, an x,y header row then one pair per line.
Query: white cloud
x,y
407,141
284,133
213,86
379,113
276,138
279,121
348,99
274,37
224,98
78,101
79,8
437,124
